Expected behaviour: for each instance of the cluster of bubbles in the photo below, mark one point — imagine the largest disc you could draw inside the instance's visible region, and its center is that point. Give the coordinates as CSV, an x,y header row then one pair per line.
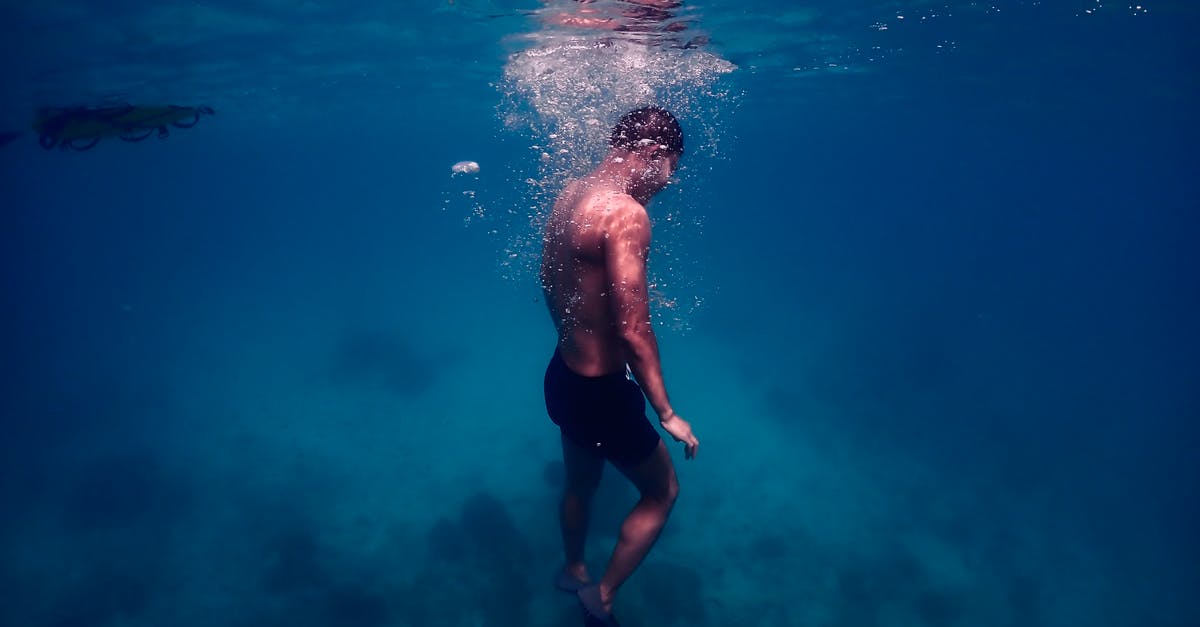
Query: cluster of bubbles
x,y
574,90
567,90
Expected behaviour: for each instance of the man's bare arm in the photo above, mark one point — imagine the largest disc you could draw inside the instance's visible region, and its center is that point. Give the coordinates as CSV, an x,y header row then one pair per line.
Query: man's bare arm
x,y
627,248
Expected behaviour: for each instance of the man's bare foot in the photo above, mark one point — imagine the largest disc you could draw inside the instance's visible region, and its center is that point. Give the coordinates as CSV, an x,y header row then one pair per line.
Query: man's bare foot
x,y
606,597
597,606
572,577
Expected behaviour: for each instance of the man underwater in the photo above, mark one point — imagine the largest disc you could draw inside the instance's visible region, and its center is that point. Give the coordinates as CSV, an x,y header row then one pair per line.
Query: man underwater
x,y
593,274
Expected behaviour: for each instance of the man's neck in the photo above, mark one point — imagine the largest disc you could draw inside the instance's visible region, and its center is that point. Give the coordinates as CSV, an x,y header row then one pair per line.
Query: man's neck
x,y
616,172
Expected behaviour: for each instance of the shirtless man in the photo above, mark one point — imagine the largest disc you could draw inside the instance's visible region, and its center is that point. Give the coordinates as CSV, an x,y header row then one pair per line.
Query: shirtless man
x,y
594,277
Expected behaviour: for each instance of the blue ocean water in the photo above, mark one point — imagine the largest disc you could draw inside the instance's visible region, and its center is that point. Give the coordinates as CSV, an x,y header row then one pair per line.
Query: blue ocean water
x,y
926,288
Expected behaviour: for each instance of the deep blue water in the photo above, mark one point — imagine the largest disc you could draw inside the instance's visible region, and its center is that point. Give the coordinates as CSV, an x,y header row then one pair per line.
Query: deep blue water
x,y
935,289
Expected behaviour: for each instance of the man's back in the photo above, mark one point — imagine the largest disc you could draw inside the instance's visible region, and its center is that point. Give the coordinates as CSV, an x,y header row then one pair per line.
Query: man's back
x,y
587,222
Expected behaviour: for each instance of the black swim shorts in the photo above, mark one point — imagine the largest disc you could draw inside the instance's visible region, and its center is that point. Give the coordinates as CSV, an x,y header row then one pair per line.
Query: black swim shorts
x,y
606,414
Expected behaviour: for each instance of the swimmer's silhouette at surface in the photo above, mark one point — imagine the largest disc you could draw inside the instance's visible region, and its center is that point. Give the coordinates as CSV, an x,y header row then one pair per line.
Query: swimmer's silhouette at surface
x,y
650,22
606,364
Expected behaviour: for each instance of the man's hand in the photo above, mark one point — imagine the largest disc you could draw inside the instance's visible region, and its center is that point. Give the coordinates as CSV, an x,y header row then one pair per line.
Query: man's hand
x,y
682,432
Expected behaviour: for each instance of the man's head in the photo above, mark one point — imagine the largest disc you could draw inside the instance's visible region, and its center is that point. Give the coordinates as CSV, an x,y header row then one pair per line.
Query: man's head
x,y
648,124
649,142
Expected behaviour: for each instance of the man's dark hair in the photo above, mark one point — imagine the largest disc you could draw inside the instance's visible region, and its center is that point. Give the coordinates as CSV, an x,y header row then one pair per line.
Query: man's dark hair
x,y
648,123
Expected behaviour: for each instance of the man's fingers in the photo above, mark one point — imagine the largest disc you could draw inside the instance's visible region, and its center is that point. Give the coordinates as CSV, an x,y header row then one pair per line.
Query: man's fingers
x,y
685,437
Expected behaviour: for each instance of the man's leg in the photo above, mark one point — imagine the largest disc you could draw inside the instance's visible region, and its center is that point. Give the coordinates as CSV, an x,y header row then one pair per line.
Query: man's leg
x,y
584,468
655,479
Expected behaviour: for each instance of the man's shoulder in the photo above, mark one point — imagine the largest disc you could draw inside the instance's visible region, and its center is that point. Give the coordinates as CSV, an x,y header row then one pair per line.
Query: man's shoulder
x,y
620,208
627,223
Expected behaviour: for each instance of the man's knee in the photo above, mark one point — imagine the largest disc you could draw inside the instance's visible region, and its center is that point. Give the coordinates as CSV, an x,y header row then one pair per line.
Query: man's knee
x,y
672,492
667,493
